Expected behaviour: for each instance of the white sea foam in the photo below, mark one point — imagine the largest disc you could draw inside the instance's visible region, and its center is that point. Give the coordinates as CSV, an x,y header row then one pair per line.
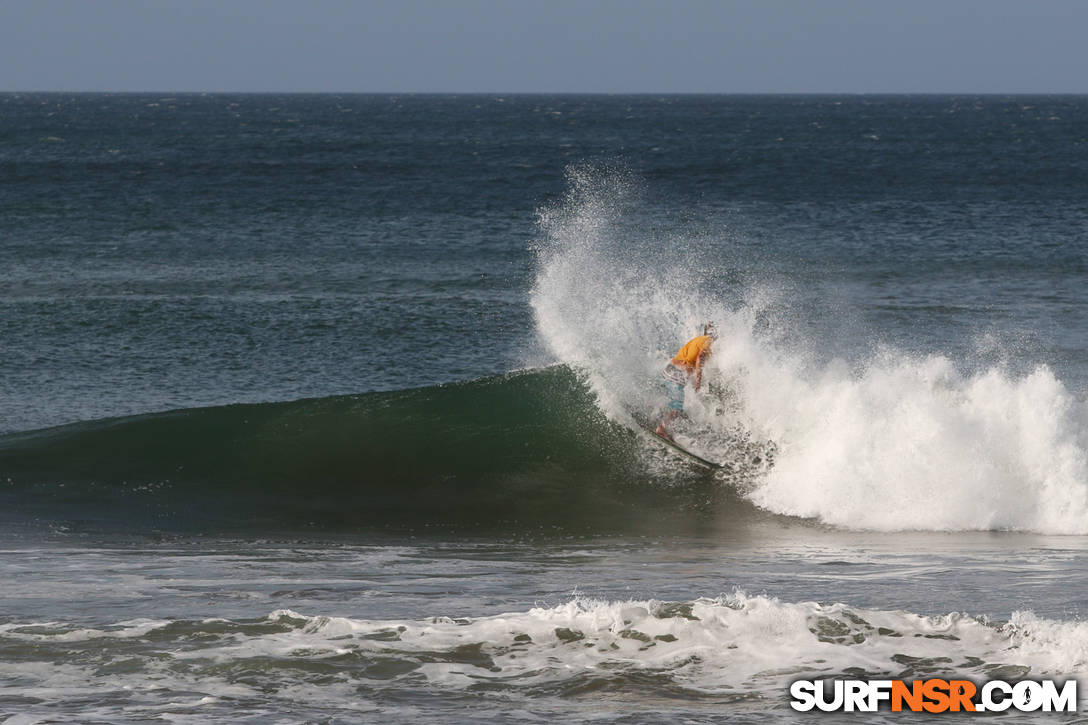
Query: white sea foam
x,y
726,645
58,632
894,441
735,645
914,444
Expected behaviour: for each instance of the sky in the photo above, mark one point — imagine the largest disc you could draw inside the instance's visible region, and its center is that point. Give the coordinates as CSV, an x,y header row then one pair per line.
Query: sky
x,y
546,46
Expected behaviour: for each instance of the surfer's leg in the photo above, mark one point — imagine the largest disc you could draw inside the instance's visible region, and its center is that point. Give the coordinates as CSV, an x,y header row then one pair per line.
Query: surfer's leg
x,y
676,405
669,417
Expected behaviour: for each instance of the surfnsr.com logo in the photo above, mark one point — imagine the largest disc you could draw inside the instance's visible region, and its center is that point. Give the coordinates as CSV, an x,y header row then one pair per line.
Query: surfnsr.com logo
x,y
934,695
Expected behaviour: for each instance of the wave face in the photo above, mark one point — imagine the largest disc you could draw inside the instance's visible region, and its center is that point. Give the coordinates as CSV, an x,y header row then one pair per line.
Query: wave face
x,y
865,436
526,449
811,424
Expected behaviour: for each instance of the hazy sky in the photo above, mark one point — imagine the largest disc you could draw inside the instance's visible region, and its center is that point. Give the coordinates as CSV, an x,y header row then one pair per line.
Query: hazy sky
x,y
616,46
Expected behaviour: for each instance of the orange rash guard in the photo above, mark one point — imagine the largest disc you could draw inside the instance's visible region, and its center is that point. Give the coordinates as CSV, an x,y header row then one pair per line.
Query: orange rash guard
x,y
689,353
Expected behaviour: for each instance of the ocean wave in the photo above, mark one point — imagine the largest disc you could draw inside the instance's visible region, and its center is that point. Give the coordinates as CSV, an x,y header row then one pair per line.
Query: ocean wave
x,y
736,646
526,450
867,436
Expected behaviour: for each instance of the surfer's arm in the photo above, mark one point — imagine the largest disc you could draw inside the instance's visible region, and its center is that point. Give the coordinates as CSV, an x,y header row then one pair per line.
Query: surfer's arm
x,y
699,369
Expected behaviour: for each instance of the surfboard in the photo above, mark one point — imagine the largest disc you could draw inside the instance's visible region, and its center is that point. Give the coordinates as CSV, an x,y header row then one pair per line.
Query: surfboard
x,y
651,428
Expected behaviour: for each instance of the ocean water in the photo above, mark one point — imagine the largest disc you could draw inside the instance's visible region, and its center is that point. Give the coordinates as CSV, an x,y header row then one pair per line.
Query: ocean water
x,y
323,408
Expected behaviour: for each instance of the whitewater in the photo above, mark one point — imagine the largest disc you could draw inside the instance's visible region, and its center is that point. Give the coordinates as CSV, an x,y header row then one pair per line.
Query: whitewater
x,y
323,408
889,440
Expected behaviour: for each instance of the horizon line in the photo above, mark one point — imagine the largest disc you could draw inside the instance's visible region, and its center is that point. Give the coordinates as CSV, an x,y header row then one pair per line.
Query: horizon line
x,y
545,93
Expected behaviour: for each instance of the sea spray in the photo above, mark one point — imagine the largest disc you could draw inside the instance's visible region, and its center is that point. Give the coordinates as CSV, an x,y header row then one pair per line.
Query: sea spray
x,y
610,296
884,440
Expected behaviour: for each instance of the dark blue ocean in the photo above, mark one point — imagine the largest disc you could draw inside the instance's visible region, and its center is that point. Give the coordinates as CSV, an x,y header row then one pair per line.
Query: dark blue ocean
x,y
320,408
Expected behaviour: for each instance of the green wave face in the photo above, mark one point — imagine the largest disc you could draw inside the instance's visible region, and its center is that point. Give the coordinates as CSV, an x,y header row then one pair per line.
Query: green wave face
x,y
527,451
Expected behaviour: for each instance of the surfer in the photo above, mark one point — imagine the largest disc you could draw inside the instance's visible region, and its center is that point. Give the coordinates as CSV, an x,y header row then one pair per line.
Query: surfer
x,y
687,362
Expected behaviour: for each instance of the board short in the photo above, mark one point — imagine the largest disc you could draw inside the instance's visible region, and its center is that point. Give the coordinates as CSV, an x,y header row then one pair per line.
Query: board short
x,y
675,380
